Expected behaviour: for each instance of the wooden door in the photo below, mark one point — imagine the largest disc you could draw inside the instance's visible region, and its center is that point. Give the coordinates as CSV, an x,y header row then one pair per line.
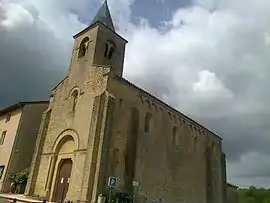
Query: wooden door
x,y
62,180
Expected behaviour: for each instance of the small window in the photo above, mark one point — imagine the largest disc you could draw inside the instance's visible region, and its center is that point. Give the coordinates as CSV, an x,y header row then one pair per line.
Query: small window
x,y
111,53
106,50
109,50
3,136
170,115
8,117
147,122
83,47
1,171
74,99
208,153
120,103
195,143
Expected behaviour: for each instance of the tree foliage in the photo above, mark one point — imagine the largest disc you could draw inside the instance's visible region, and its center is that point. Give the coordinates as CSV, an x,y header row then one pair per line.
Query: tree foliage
x,y
19,177
254,195
19,180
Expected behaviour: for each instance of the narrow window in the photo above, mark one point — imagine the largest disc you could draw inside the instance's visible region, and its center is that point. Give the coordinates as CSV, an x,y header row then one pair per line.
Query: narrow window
x,y
8,117
109,50
3,136
170,115
106,50
110,53
1,171
147,122
120,103
74,99
83,47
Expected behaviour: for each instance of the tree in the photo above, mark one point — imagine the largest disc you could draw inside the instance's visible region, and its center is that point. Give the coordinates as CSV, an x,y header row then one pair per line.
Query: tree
x,y
254,195
19,179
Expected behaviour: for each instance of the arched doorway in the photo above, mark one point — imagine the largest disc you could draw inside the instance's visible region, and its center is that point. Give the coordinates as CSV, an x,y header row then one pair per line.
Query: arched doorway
x,y
62,180
62,172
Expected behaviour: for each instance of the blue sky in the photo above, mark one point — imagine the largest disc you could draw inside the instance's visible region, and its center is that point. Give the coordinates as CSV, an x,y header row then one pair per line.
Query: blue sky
x,y
214,68
156,11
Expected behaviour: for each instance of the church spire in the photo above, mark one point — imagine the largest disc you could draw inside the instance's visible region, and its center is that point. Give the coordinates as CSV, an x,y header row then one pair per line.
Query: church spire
x,y
104,16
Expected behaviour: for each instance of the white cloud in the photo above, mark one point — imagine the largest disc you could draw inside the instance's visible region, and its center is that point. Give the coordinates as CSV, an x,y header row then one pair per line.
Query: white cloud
x,y
224,43
209,84
16,15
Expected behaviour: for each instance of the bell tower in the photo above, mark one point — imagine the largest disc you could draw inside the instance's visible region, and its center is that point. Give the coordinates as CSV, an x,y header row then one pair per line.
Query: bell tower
x,y
98,45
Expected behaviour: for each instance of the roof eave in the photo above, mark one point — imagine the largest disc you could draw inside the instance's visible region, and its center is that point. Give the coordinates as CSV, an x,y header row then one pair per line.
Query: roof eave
x,y
19,105
94,25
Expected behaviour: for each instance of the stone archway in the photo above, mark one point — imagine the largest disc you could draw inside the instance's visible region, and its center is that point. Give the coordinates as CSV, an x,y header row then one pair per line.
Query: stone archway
x,y
63,150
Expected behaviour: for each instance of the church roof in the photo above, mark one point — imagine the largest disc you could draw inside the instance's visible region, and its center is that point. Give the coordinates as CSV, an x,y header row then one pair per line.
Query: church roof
x,y
104,16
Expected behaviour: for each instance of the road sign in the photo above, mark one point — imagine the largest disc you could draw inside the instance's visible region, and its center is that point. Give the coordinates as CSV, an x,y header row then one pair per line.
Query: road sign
x,y
135,183
112,182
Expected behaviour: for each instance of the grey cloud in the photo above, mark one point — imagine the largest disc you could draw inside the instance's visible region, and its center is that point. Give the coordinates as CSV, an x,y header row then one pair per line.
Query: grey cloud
x,y
32,62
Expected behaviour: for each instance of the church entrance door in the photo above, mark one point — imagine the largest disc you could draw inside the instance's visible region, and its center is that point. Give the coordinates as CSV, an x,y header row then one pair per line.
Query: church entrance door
x,y
62,180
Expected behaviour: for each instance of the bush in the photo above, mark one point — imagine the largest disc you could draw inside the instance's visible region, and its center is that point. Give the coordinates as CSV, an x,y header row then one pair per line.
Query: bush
x,y
19,179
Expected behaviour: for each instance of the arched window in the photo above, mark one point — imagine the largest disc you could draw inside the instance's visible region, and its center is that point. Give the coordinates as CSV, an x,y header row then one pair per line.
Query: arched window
x,y
106,50
147,122
109,49
83,47
74,99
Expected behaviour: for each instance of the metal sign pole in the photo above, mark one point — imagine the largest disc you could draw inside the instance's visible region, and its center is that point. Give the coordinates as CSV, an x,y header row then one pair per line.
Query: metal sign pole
x,y
110,194
135,190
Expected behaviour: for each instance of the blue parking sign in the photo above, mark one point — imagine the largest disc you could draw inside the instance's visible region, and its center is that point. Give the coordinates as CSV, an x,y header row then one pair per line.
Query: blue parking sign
x,y
112,182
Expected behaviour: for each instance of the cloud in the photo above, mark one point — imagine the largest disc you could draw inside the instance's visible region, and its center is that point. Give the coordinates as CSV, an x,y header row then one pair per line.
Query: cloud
x,y
256,168
32,59
16,15
210,60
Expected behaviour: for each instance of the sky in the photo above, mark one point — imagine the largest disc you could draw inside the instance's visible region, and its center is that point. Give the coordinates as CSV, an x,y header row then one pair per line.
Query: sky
x,y
207,58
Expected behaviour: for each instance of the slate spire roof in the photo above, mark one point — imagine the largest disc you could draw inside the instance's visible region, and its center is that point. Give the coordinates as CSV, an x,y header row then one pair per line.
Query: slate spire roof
x,y
104,16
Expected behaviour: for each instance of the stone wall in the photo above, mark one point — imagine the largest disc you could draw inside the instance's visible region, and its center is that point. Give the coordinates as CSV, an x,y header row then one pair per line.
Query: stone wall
x,y
25,140
170,158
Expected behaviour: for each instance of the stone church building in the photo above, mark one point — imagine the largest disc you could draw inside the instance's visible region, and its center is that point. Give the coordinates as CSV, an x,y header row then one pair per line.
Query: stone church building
x,y
98,125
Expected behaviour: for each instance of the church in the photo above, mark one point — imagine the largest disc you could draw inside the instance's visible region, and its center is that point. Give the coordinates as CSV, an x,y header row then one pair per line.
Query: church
x,y
99,125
